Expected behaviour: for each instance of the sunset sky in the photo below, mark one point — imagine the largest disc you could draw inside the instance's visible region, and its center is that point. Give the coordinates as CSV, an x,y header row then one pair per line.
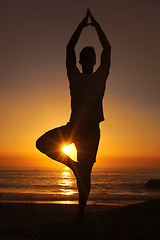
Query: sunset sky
x,y
34,90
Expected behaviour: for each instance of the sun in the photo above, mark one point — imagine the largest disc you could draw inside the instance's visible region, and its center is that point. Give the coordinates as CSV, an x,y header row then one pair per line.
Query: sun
x,y
70,150
67,149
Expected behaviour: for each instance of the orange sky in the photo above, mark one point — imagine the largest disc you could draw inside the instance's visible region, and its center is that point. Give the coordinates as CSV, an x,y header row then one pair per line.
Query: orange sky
x,y
34,88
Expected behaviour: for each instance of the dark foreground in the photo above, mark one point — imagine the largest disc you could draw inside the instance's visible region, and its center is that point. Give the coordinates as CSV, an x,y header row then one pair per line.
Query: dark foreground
x,y
20,221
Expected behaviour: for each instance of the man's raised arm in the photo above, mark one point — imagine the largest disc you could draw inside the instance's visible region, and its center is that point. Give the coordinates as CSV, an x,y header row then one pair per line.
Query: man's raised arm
x,y
70,55
106,53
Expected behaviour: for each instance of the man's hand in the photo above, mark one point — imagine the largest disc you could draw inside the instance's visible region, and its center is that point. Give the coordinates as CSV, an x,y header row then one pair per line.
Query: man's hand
x,y
84,22
93,23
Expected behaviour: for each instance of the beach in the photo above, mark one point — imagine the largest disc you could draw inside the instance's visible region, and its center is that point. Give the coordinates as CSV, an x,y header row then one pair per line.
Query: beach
x,y
42,205
24,221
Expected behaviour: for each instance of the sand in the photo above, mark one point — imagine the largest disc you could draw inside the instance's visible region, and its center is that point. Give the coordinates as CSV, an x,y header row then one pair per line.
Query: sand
x,y
24,221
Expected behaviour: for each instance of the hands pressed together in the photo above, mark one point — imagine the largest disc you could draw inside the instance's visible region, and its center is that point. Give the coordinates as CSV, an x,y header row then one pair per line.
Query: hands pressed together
x,y
85,23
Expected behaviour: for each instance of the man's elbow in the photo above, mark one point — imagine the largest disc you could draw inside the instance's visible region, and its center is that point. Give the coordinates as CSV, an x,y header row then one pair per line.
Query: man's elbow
x,y
107,47
106,51
70,46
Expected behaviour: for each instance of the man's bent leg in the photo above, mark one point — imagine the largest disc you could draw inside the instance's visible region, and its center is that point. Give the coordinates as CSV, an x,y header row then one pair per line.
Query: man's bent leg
x,y
51,144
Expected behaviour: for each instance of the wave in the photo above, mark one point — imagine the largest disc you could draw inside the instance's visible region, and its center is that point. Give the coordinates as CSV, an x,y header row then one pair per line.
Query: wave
x,y
116,186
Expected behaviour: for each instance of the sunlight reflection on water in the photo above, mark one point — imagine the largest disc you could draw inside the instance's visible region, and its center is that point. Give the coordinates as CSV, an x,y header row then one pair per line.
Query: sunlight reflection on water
x,y
66,181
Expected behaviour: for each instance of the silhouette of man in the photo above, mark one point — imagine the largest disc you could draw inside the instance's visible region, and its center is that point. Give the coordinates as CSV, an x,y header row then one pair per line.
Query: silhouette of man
x,y
87,91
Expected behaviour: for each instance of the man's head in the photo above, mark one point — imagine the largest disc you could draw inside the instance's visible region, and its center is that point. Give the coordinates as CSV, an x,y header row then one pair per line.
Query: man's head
x,y
87,58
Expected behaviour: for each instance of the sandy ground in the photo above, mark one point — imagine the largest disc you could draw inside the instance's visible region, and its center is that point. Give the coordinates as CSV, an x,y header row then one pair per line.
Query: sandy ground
x,y
24,221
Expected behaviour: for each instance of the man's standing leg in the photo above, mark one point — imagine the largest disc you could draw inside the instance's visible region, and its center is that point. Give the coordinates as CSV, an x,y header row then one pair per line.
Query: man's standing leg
x,y
84,186
87,147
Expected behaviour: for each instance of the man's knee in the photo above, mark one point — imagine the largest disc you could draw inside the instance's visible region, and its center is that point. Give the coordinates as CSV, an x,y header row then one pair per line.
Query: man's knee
x,y
45,145
41,144
84,182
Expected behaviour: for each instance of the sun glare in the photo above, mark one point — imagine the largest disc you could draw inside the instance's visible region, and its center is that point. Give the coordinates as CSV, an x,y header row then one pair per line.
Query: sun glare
x,y
67,149
71,151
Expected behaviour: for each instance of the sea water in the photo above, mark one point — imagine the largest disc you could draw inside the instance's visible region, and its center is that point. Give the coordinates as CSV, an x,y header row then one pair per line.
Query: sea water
x,y
109,186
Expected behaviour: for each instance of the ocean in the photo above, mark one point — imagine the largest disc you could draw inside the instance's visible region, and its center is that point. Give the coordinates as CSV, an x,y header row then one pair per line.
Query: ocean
x,y
109,186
